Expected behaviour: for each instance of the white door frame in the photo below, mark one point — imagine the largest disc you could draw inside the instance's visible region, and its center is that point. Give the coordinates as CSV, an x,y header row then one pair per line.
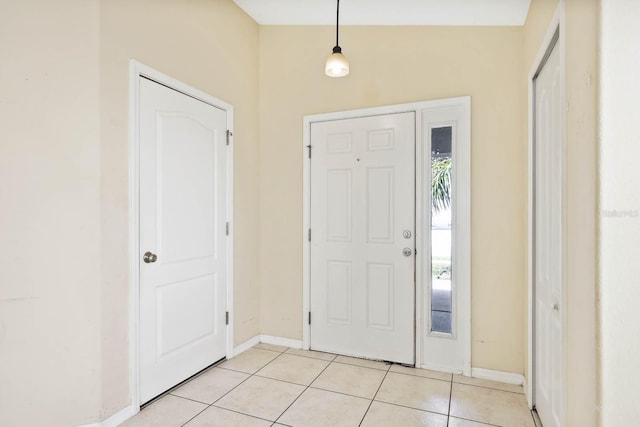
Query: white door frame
x,y
557,25
137,70
464,264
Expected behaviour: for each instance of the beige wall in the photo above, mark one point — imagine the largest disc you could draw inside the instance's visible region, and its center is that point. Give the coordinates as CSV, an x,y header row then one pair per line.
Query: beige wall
x,y
620,214
49,213
582,125
213,46
64,287
64,171
391,65
581,192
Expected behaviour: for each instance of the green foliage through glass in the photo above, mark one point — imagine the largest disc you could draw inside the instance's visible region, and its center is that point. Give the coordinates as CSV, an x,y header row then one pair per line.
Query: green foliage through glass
x,y
441,183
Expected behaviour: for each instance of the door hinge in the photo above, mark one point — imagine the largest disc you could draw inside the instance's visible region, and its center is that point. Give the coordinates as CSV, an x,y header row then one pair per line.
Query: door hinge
x,y
226,318
229,135
227,228
309,317
309,235
309,147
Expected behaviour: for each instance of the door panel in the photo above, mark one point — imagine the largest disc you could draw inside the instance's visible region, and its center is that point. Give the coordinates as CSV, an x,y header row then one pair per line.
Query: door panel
x,y
362,199
339,217
339,292
178,327
548,241
186,229
380,293
182,222
380,205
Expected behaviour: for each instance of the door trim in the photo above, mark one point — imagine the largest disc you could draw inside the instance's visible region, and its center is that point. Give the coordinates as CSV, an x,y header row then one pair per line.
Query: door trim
x,y
137,70
557,25
417,108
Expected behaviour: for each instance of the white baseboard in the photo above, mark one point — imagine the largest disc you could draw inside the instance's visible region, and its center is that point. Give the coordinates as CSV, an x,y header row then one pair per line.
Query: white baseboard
x,y
499,376
115,419
267,339
285,342
246,345
439,368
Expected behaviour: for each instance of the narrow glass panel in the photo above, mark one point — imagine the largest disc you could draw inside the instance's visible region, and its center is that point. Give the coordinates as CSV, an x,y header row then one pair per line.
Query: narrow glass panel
x,y
441,196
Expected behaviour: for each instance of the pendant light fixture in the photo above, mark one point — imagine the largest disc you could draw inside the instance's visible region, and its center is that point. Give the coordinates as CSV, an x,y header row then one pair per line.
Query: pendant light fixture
x,y
337,64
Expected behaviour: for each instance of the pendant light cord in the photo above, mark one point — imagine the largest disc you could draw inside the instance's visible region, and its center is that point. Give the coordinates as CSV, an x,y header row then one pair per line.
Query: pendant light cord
x,y
337,23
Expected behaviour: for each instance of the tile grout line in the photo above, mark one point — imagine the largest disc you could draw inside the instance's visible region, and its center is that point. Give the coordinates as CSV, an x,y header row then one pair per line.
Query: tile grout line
x,y
467,419
238,412
188,398
411,407
330,362
219,365
362,366
211,404
290,382
306,388
189,420
374,396
281,381
310,385
450,380
478,422
218,407
268,349
199,374
170,391
450,397
255,374
339,392
238,385
489,388
419,376
310,357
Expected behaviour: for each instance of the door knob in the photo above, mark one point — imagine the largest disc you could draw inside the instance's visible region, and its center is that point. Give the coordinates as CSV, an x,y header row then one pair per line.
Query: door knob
x,y
556,306
149,257
407,252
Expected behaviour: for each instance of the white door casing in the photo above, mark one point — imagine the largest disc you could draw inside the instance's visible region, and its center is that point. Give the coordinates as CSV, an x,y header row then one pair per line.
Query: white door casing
x,y
183,215
548,238
362,236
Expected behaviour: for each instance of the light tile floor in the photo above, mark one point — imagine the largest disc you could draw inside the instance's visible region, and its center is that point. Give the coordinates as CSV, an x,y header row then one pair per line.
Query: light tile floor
x,y
278,386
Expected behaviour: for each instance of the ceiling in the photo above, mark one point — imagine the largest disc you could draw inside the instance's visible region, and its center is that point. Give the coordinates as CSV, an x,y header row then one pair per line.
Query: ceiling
x,y
387,12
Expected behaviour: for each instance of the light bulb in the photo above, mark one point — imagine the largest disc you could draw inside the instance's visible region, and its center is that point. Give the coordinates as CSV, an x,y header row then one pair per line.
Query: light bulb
x,y
337,64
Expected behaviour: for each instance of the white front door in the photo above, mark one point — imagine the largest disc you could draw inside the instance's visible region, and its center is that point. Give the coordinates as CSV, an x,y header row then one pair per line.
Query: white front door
x,y
182,237
362,237
548,241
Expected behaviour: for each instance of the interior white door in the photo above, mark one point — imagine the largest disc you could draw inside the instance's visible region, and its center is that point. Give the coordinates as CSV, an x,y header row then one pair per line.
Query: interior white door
x,y
182,237
362,237
548,241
